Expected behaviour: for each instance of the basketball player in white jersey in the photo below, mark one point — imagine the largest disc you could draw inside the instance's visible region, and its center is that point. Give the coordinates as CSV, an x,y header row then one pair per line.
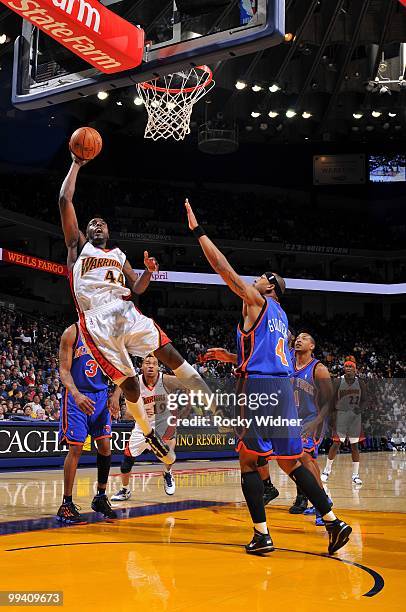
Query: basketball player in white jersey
x,y
112,328
350,400
155,387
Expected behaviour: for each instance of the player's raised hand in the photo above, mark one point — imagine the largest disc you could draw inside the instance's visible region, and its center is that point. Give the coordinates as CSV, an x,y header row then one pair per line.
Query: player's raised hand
x,y
190,216
84,403
150,263
219,354
78,161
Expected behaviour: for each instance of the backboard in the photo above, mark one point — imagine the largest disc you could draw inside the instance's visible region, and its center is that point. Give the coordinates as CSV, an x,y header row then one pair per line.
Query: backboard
x,y
179,34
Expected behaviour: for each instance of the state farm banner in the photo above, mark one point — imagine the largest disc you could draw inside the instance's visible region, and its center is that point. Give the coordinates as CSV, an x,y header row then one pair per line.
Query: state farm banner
x,y
339,169
88,29
36,263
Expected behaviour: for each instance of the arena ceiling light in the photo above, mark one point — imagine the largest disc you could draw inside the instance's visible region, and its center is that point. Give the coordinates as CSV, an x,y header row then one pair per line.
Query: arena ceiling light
x,y
3,39
256,87
240,85
392,114
137,101
290,113
119,103
274,88
102,95
376,114
370,128
255,114
272,114
357,115
306,115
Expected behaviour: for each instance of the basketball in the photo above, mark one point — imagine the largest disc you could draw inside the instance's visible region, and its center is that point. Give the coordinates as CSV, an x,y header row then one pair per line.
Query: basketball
x,y
86,143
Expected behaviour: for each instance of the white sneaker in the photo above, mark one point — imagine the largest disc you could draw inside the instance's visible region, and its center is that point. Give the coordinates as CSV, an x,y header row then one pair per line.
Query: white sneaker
x,y
169,483
324,476
356,479
121,495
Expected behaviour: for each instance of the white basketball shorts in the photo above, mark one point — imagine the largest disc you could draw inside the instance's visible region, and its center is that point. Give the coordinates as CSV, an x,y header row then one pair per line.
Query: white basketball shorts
x,y
137,443
117,330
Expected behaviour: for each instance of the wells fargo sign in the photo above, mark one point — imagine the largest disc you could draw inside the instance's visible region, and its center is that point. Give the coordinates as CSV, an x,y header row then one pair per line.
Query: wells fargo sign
x,y
88,29
35,263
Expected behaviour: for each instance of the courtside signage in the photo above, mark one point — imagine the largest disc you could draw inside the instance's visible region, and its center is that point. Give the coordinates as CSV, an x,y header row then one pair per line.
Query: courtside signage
x,y
88,29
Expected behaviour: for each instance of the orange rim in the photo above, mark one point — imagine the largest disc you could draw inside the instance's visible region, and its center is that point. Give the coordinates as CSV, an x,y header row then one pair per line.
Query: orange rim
x,y
209,72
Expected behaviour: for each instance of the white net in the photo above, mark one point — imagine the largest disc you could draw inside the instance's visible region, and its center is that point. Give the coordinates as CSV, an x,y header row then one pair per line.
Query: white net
x,y
169,102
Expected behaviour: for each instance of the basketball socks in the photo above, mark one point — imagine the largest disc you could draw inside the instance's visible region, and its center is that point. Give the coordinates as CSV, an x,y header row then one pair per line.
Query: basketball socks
x,y
253,491
138,411
103,470
305,480
192,380
67,499
329,465
355,468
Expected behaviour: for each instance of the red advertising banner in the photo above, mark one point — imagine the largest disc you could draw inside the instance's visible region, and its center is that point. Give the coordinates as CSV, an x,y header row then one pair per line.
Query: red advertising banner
x,y
33,262
88,29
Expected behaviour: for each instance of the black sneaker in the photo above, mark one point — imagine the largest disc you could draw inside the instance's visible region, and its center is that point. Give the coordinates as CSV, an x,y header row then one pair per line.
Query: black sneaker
x,y
299,505
102,504
338,533
260,544
68,514
270,493
160,449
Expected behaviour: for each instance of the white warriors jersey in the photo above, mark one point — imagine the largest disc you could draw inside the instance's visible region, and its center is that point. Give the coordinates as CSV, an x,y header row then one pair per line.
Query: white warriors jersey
x,y
97,277
155,398
348,395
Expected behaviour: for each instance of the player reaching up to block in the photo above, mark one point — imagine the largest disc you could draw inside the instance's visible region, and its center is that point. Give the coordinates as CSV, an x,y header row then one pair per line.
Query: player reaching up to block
x,y
84,412
264,366
111,326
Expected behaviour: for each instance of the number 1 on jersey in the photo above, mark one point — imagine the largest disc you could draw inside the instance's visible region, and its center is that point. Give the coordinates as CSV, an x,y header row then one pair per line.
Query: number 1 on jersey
x,y
280,351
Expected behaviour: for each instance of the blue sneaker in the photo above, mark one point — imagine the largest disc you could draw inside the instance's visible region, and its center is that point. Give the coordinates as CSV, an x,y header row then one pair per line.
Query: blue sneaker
x,y
311,510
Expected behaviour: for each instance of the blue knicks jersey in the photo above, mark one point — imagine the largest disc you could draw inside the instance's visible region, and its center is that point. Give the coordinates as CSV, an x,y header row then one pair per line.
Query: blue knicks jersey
x,y
306,392
86,374
263,350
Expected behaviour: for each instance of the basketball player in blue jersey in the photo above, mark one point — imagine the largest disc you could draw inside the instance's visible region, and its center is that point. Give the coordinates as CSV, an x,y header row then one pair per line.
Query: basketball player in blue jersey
x,y
313,392
264,365
84,412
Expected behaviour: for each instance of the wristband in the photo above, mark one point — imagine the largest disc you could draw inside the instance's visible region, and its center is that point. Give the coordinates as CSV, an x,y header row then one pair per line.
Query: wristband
x,y
199,231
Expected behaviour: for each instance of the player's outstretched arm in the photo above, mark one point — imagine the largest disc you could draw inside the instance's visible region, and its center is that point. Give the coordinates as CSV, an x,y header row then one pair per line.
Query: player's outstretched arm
x,y
138,284
219,263
220,354
85,404
74,239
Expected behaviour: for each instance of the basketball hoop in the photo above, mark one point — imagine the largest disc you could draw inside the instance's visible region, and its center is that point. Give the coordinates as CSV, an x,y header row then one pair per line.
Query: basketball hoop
x,y
170,99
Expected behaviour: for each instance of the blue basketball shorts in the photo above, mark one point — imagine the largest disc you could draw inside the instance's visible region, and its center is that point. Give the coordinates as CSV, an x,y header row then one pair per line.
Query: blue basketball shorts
x,y
273,428
311,445
75,426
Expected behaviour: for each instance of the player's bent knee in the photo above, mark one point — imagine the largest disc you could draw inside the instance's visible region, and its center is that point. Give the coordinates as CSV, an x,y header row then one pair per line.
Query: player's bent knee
x,y
127,465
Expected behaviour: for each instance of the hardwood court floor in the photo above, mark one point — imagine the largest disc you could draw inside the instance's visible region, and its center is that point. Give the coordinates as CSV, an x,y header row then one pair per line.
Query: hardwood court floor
x,y
185,553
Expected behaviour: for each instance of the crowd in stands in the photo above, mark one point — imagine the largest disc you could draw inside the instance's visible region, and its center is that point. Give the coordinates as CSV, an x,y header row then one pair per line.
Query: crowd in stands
x,y
243,216
30,387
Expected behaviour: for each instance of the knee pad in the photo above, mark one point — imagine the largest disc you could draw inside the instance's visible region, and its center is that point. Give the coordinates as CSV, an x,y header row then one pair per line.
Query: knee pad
x,y
127,464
